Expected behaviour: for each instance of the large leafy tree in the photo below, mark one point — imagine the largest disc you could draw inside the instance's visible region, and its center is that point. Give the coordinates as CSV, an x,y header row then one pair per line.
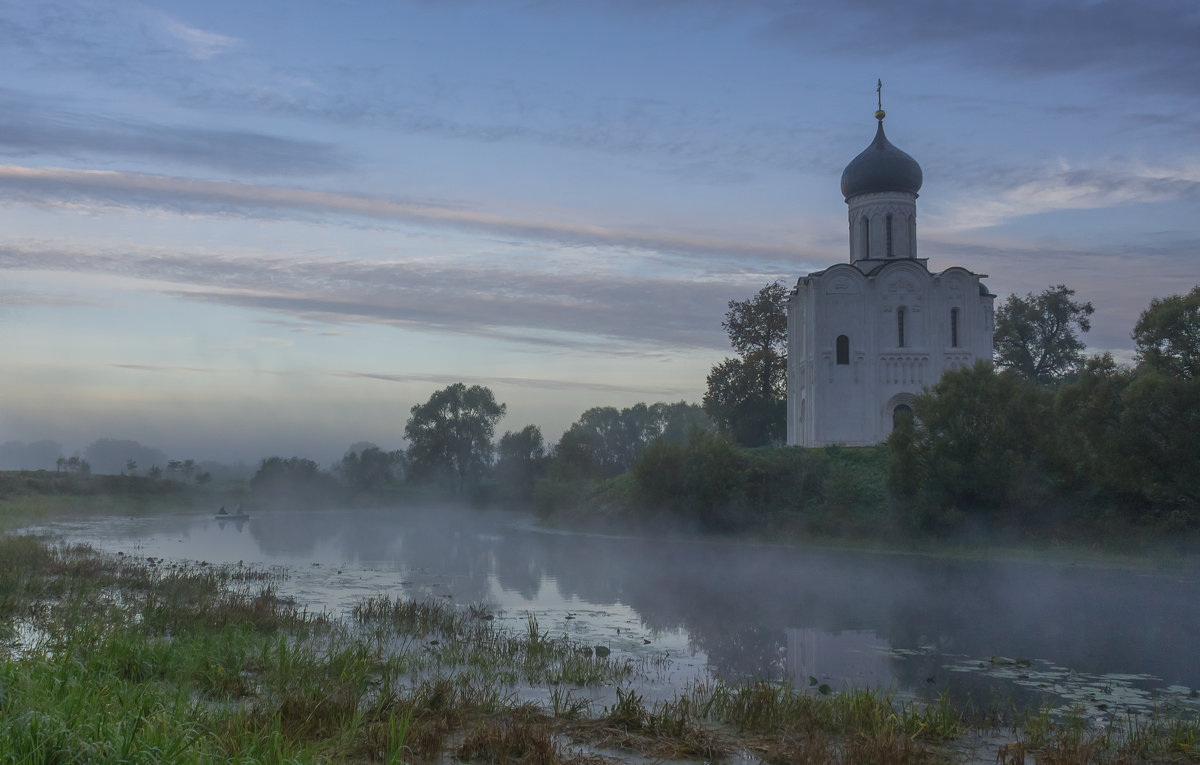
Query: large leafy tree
x,y
294,480
1168,335
606,441
976,437
1037,336
522,456
747,395
450,435
365,466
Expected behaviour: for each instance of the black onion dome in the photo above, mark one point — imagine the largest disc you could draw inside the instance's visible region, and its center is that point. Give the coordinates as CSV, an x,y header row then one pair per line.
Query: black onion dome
x,y
881,167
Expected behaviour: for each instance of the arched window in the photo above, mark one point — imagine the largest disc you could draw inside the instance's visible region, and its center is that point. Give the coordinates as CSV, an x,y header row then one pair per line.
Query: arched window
x,y
900,327
953,327
866,237
888,222
843,349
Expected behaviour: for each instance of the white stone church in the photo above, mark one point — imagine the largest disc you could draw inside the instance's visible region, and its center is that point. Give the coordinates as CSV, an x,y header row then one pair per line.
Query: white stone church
x,y
864,337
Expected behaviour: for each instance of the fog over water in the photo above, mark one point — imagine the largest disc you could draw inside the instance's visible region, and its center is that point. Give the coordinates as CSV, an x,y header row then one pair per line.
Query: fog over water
x,y
1104,636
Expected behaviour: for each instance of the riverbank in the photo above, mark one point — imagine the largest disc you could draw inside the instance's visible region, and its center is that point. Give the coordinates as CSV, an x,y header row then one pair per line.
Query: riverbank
x,y
29,498
121,658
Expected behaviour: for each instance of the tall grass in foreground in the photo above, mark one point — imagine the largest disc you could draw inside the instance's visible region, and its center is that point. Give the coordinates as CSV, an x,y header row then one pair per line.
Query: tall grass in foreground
x,y
112,659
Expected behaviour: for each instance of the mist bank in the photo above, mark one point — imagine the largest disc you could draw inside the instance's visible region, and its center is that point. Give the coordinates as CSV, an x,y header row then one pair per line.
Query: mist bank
x,y
1106,457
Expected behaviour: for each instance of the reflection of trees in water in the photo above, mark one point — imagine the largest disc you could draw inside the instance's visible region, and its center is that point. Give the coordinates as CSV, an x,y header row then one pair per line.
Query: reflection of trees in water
x,y
737,602
449,546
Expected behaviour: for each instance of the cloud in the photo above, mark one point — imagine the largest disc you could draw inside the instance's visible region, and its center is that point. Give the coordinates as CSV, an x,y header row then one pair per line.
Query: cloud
x,y
520,382
199,44
540,383
1149,45
28,128
190,196
1007,195
26,299
162,368
577,310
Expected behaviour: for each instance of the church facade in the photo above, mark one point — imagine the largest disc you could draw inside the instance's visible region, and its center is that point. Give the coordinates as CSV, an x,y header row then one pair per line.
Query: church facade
x,y
865,337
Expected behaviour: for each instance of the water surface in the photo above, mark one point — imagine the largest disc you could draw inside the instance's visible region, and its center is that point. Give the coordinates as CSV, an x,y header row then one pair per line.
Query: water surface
x,y
1103,638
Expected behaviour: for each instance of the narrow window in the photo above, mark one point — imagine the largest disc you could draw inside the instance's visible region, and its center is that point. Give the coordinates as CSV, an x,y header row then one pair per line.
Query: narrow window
x,y
866,237
888,221
912,237
900,326
843,349
953,327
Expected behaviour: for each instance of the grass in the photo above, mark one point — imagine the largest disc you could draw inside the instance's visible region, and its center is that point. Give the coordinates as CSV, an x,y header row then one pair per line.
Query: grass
x,y
117,659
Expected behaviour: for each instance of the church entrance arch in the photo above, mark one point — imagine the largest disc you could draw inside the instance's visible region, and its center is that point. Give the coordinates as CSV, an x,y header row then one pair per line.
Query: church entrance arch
x,y
898,406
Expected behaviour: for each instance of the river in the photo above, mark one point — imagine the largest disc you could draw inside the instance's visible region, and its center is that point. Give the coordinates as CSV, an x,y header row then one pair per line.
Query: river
x,y
1104,639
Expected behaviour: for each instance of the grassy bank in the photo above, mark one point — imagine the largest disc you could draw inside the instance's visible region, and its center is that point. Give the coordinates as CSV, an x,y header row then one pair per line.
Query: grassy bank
x,y
121,659
835,496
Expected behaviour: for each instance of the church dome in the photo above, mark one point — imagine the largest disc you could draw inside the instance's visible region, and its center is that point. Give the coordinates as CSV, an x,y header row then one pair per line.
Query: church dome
x,y
881,167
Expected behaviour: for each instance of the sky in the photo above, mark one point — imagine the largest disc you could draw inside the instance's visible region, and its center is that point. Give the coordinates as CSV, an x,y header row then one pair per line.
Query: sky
x,y
232,230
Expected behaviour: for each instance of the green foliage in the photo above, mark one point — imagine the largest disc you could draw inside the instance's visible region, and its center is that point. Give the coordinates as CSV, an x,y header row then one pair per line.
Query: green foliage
x,y
605,442
1037,336
746,396
370,468
521,459
702,480
1167,335
450,436
294,480
1159,432
722,487
1108,444
736,398
975,443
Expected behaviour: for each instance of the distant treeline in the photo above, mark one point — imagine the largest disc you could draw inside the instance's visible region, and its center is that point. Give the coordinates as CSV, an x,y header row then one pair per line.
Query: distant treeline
x,y
1048,443
1108,450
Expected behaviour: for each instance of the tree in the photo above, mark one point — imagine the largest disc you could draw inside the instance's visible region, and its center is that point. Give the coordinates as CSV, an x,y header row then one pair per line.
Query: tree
x,y
370,467
974,443
1037,336
738,405
1168,335
450,435
131,465
605,441
746,396
294,480
521,458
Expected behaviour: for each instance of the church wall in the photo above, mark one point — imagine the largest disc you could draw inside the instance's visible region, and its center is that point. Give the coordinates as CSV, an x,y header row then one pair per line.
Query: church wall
x,y
853,403
901,326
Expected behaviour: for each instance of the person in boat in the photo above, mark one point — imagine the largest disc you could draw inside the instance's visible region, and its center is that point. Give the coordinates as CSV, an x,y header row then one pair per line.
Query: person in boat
x,y
222,511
